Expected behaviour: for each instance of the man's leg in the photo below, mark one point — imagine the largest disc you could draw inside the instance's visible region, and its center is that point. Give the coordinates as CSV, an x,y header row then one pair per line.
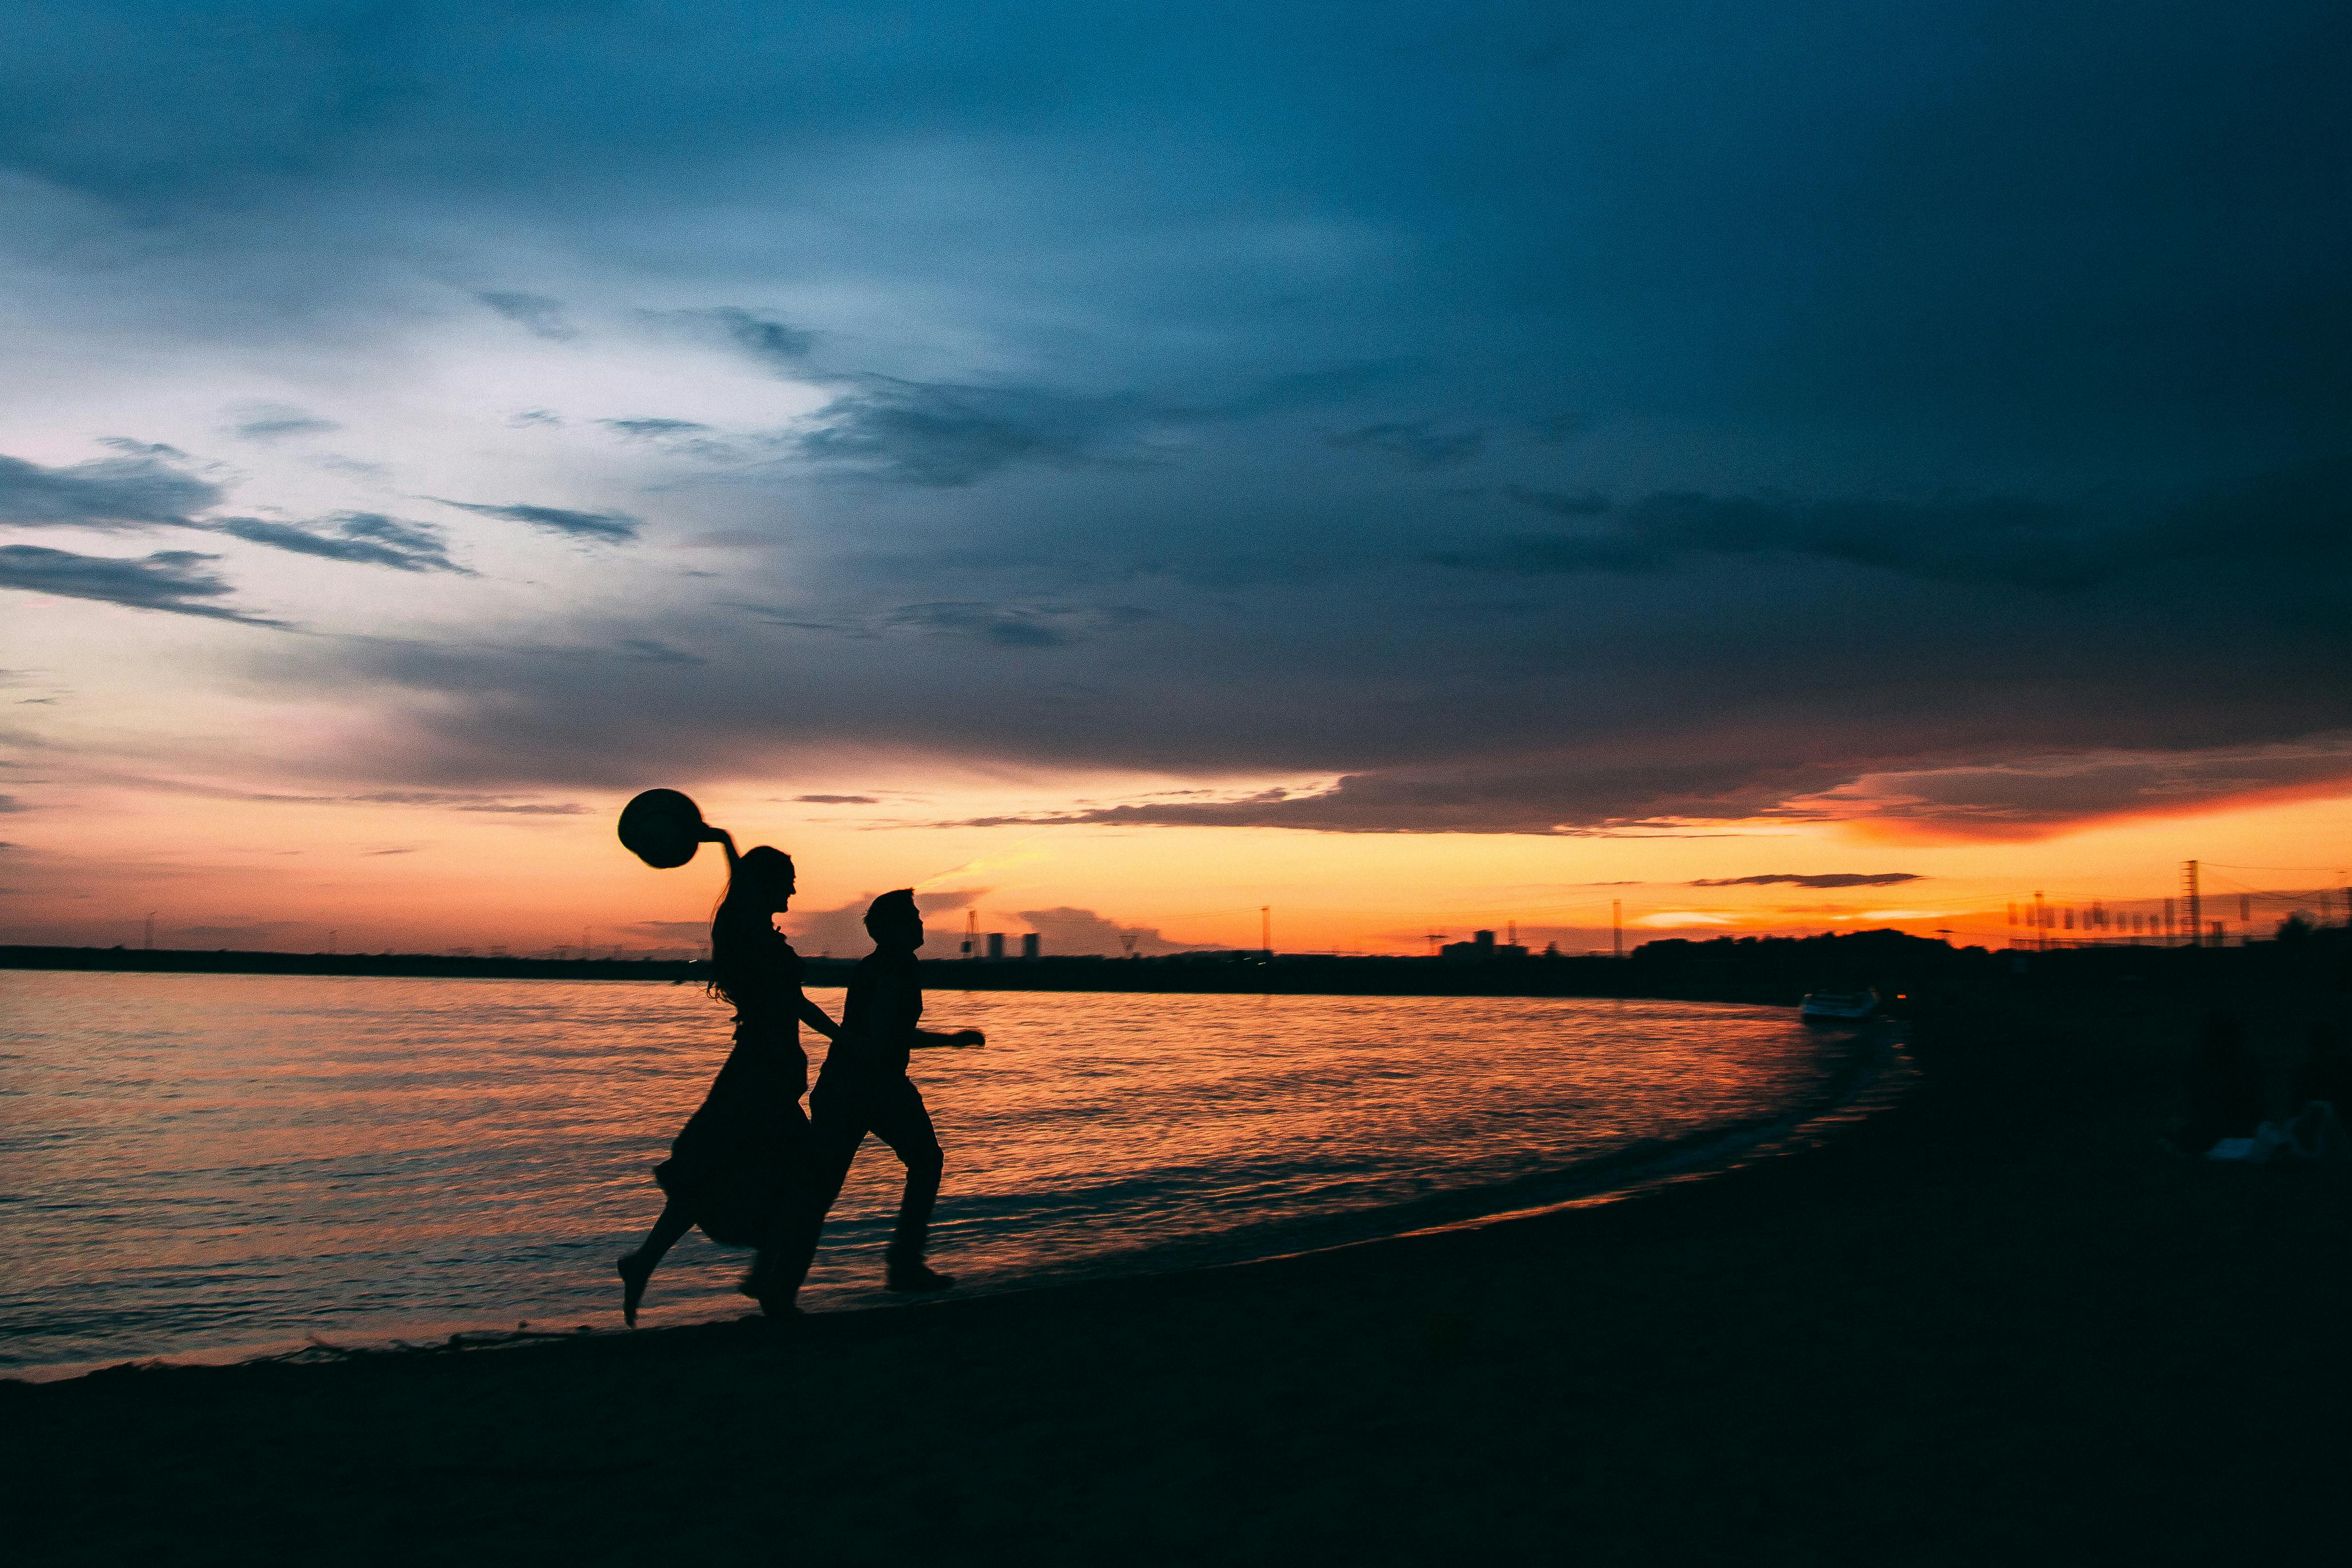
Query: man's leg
x,y
832,1144
900,1118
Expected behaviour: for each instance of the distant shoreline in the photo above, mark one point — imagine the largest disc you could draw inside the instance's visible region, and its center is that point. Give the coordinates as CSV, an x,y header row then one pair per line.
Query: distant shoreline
x,y
1772,970
1247,973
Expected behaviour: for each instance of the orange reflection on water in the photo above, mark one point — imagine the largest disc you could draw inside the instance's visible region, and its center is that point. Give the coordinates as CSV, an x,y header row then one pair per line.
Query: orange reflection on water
x,y
216,1160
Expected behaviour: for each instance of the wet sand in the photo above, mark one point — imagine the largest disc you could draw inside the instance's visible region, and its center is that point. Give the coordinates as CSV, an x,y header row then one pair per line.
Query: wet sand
x,y
1994,1323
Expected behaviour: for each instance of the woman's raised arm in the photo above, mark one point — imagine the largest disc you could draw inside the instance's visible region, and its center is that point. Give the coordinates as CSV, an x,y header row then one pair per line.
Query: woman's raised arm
x,y
814,1016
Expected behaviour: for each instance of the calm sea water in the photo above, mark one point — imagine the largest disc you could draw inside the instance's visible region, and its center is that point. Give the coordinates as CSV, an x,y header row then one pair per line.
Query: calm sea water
x,y
214,1164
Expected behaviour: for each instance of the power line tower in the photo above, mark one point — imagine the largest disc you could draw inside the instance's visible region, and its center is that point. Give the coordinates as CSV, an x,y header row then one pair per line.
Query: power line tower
x,y
2196,904
1617,928
1434,938
1265,930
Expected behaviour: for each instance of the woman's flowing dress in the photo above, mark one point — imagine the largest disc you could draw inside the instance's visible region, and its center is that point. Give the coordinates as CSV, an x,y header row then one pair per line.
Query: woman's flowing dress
x,y
735,1165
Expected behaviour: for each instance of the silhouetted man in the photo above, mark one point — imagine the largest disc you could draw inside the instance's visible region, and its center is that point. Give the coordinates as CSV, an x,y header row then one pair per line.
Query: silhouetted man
x,y
864,1088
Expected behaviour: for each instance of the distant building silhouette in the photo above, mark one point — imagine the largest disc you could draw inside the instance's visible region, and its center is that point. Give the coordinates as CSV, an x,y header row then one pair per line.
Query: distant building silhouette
x,y
996,944
1029,943
1481,945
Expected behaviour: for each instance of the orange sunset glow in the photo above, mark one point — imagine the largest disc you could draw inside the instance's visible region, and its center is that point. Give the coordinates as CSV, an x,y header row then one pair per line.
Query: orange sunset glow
x,y
539,872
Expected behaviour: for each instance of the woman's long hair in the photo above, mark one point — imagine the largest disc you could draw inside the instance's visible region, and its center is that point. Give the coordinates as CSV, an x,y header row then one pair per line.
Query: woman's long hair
x,y
741,916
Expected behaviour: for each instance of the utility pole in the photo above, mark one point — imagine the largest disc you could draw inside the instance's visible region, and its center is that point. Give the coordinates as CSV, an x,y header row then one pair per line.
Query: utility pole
x,y
1617,928
2196,903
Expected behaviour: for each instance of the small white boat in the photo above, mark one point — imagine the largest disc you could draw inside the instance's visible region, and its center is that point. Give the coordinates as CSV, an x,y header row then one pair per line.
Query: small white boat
x,y
1838,1007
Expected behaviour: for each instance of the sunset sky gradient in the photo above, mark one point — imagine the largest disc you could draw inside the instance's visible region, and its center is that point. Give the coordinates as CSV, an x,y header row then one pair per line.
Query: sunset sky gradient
x,y
1417,469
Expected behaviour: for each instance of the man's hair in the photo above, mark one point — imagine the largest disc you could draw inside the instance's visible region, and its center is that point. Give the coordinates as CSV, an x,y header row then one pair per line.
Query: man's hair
x,y
896,905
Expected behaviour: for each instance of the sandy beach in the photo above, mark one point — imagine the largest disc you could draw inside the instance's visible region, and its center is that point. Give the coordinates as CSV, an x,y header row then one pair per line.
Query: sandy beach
x,y
1995,1322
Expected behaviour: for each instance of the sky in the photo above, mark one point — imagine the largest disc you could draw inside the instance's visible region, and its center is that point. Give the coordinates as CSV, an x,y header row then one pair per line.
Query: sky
x,y
1763,466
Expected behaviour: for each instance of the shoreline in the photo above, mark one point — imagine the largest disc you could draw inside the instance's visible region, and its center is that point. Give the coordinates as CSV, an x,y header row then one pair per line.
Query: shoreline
x,y
1865,1061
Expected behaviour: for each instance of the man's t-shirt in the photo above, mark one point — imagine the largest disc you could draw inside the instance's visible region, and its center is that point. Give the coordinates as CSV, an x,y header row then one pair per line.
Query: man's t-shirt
x,y
880,1020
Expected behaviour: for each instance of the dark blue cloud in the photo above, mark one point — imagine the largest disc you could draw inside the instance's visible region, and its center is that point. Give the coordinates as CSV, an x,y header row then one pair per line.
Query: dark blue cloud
x,y
151,485
146,486
934,434
654,429
1015,625
2294,520
617,527
537,314
367,539
178,582
692,439
276,422
769,343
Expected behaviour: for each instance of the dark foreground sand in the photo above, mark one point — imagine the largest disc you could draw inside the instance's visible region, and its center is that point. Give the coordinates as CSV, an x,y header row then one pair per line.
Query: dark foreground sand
x,y
1995,1326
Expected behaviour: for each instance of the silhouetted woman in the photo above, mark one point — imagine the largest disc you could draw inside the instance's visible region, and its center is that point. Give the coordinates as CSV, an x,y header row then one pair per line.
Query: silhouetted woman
x,y
736,1168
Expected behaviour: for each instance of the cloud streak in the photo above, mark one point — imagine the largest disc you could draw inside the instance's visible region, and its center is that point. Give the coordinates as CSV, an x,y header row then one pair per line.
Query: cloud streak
x,y
146,486
1797,879
278,422
366,539
2291,516
537,314
604,527
178,582
766,342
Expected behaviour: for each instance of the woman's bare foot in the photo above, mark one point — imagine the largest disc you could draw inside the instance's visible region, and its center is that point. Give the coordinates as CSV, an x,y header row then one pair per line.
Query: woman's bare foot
x,y
634,1272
